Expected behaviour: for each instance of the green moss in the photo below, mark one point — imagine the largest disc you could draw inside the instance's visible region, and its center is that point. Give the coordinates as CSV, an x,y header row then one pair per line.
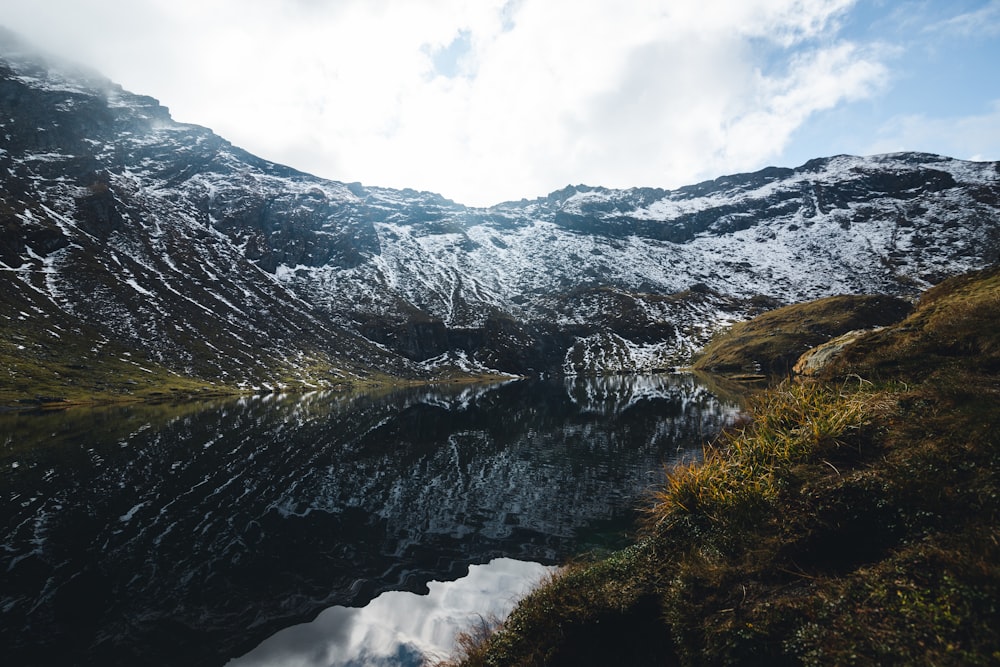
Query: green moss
x,y
39,371
63,365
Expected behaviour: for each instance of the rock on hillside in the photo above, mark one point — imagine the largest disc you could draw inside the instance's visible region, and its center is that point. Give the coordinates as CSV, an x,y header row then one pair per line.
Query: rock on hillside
x,y
773,342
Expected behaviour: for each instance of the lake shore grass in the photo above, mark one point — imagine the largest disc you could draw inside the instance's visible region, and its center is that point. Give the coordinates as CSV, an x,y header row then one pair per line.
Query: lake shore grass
x,y
853,519
36,372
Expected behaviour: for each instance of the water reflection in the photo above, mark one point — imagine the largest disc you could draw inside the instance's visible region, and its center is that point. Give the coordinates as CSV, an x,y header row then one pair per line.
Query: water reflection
x,y
400,628
165,535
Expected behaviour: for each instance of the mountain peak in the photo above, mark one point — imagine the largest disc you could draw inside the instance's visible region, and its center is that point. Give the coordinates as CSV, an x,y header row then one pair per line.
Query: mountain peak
x,y
207,260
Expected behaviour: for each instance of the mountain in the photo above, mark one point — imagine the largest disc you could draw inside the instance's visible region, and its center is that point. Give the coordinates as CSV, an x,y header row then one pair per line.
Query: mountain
x,y
130,237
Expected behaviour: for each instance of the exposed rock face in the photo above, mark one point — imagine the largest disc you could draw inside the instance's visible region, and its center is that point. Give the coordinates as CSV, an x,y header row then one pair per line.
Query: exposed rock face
x,y
815,360
212,261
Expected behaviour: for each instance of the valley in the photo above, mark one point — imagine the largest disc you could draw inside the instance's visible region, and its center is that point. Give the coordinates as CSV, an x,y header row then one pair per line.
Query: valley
x,y
269,342
127,235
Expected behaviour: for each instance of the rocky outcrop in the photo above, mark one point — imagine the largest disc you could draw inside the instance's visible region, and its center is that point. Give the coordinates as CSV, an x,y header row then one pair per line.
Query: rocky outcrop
x,y
814,361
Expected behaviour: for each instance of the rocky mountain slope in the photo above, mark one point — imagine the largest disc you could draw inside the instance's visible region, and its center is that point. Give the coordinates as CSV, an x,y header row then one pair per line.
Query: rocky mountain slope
x,y
122,227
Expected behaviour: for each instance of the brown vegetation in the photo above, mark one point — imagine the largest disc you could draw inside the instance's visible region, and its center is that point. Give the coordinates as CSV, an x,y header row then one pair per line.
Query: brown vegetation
x,y
853,521
771,343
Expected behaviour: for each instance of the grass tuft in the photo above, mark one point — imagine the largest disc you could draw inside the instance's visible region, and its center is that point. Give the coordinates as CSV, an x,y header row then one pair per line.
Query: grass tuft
x,y
743,473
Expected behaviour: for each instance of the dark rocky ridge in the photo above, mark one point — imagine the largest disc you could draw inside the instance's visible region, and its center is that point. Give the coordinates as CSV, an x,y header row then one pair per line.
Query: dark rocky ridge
x,y
202,257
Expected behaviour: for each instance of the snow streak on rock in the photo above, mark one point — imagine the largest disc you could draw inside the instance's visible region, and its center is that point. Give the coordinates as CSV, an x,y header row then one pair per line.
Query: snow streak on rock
x,y
217,263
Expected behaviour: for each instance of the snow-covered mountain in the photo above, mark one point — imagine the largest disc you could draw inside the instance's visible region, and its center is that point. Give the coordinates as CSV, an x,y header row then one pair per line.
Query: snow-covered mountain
x,y
122,225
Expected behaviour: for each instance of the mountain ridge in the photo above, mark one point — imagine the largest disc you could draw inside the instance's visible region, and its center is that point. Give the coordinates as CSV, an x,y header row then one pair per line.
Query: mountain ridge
x,y
218,265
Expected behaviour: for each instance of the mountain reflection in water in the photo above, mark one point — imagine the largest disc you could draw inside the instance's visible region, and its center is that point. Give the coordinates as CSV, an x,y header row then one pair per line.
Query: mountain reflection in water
x,y
188,534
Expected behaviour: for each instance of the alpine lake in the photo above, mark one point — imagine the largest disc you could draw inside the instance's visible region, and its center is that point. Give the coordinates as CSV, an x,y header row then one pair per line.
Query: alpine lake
x,y
320,529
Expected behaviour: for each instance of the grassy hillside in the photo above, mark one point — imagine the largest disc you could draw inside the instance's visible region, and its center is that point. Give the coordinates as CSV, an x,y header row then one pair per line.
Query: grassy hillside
x,y
853,520
772,342
50,358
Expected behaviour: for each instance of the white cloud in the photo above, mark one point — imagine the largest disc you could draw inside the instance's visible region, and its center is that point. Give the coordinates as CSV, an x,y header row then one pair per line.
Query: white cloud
x,y
983,22
817,81
659,95
972,137
547,92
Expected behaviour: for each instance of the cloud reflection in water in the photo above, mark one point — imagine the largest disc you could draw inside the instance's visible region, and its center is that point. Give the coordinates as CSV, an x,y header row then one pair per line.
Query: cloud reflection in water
x,y
399,628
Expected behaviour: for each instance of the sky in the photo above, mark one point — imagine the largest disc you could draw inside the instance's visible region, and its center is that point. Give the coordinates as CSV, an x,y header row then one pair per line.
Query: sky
x,y
485,101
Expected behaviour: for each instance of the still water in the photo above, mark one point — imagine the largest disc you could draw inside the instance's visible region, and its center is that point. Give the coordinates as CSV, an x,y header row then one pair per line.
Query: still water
x,y
189,535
